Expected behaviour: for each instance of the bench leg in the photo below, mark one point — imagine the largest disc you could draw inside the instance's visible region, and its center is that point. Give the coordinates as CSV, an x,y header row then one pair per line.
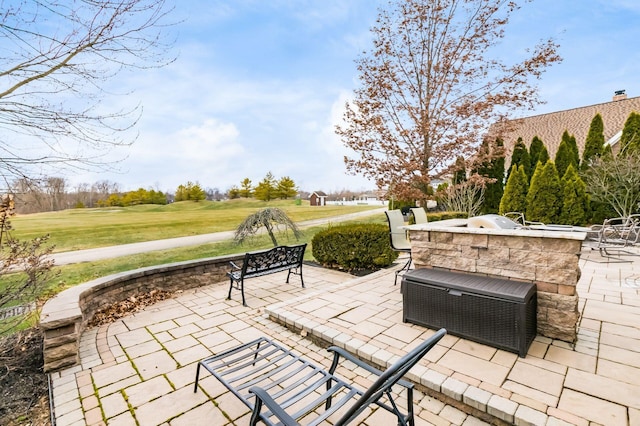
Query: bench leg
x,y
242,291
230,288
297,271
241,286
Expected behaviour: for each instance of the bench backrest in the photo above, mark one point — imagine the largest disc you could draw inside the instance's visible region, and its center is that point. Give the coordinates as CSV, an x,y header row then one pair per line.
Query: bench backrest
x,y
390,377
275,259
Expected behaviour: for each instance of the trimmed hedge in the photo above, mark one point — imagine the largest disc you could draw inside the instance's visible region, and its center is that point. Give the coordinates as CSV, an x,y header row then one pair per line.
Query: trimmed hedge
x,y
434,217
354,247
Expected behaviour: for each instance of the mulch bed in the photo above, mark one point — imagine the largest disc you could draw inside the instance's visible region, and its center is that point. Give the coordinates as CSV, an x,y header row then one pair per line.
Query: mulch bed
x,y
24,392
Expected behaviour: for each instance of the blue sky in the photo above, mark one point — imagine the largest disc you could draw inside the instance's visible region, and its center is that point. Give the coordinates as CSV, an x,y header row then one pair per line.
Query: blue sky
x,y
259,85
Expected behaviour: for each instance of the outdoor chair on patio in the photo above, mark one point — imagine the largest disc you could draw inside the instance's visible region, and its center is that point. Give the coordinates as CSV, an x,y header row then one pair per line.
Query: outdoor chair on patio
x,y
398,238
282,388
518,217
615,235
419,215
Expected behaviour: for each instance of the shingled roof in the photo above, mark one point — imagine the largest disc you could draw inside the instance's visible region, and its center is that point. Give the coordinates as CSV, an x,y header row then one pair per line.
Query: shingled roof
x,y
549,127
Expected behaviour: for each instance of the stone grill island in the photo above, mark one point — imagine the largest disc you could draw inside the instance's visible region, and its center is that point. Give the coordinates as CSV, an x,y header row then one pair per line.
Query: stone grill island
x,y
546,258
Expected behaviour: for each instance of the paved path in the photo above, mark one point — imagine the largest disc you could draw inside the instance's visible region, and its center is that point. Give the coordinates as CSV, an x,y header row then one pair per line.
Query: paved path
x,y
90,255
140,370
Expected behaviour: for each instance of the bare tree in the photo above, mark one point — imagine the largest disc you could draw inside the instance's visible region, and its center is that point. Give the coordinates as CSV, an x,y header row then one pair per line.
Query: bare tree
x,y
57,58
466,196
615,180
55,188
25,268
430,88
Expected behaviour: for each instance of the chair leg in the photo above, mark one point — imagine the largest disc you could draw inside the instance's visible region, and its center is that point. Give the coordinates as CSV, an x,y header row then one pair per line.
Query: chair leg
x,y
405,268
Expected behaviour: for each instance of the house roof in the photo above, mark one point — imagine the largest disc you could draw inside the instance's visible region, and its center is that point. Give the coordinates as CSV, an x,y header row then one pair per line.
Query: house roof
x,y
319,193
550,127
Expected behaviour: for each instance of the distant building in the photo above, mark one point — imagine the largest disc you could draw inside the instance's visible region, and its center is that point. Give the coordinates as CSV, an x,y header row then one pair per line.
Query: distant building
x,y
550,127
317,198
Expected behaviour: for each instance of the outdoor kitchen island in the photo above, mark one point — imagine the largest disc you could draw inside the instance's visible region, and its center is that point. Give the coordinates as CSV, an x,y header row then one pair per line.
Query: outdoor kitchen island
x,y
547,259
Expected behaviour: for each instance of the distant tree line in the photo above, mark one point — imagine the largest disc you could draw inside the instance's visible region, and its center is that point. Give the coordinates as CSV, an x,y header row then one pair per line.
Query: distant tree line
x,y
267,189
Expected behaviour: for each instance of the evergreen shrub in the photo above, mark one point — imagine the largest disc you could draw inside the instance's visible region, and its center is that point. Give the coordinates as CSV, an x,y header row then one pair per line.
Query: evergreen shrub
x,y
354,247
434,217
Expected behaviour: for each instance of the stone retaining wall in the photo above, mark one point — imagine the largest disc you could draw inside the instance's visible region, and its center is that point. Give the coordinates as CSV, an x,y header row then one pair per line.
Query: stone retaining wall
x,y
547,258
65,316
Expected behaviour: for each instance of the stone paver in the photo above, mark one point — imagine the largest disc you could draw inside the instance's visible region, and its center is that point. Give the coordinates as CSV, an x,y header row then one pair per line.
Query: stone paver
x,y
141,369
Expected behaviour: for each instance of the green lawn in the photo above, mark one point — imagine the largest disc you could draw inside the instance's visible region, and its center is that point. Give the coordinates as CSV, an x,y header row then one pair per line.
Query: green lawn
x,y
89,228
79,229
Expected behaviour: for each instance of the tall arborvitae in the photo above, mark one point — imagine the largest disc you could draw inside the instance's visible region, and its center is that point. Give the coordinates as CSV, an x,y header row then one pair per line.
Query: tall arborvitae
x,y
491,166
630,138
544,198
569,155
459,171
594,144
575,201
520,156
575,157
537,152
494,190
514,198
563,157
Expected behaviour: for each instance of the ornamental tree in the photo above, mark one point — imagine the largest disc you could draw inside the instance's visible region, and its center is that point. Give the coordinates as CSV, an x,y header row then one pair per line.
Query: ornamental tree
x,y
430,86
272,219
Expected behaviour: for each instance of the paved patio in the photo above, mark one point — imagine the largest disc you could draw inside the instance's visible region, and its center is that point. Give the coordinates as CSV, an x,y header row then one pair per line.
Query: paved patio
x,y
141,369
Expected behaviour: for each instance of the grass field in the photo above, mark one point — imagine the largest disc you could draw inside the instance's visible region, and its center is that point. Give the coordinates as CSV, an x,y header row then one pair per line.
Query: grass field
x,y
90,228
80,229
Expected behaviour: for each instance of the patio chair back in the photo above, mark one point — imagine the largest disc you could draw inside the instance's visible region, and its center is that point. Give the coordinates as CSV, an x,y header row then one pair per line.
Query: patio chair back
x,y
419,215
390,377
398,236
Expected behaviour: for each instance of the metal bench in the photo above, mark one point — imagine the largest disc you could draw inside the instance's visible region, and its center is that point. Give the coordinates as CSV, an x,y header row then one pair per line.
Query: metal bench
x,y
258,263
282,388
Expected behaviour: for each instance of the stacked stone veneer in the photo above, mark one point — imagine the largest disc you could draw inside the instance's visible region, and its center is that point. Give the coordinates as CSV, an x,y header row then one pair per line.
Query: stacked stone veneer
x,y
547,258
65,316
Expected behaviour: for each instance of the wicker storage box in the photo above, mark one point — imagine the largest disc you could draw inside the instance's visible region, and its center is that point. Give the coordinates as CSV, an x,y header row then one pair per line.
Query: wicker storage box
x,y
493,311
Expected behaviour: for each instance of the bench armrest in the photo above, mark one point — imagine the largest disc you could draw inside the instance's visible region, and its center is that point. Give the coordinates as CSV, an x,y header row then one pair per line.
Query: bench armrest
x,y
339,352
262,397
234,266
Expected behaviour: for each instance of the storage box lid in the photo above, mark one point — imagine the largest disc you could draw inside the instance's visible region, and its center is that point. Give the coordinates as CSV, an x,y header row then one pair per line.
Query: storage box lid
x,y
470,283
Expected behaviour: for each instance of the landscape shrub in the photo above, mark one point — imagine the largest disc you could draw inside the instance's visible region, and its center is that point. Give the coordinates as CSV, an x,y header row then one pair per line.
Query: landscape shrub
x,y
434,217
354,247
400,204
